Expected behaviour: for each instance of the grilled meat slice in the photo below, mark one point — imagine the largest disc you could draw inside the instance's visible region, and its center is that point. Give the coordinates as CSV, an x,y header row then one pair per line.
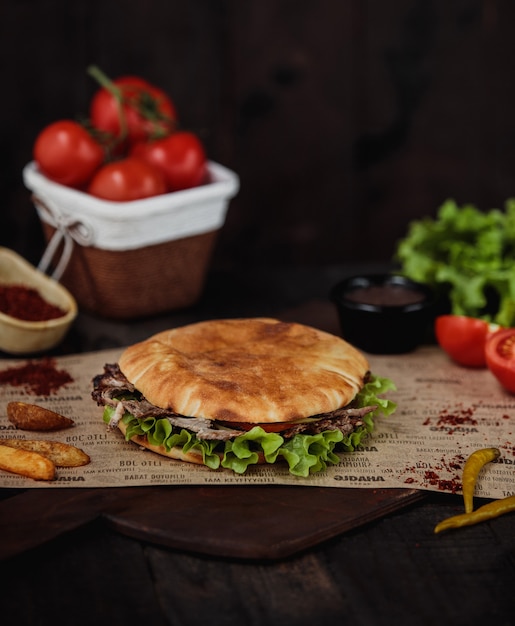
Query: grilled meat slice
x,y
113,389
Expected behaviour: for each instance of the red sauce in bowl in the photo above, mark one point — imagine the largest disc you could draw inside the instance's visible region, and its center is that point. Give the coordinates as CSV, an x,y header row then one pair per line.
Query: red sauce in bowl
x,y
385,295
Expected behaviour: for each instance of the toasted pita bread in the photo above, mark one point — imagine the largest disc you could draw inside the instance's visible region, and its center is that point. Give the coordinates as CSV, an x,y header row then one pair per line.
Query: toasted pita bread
x,y
255,370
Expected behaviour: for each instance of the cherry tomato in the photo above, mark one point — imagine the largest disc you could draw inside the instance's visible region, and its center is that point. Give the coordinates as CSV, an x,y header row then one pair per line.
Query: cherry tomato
x,y
146,112
500,357
180,156
127,179
66,153
463,338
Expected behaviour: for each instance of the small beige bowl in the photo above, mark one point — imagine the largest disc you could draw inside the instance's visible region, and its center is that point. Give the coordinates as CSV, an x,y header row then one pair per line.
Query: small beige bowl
x,y
24,337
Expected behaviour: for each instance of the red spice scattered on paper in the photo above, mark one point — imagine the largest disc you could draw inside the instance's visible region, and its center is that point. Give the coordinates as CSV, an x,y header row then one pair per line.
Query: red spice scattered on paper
x,y
453,420
456,463
40,378
457,418
453,485
445,474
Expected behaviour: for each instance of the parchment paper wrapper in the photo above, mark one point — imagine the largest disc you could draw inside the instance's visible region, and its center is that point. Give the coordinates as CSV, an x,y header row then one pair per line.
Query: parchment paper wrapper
x,y
444,413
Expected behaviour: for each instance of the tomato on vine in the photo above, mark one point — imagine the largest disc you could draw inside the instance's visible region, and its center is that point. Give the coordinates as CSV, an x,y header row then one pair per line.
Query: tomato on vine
x,y
133,122
131,109
127,179
180,156
67,153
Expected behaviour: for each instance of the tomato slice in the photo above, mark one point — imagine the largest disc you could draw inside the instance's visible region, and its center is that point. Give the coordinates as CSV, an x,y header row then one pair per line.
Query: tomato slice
x,y
500,357
463,338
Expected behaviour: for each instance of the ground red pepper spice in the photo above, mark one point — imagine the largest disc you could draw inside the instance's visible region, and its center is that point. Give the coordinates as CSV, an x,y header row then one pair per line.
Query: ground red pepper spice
x,y
40,378
453,485
457,418
460,417
26,303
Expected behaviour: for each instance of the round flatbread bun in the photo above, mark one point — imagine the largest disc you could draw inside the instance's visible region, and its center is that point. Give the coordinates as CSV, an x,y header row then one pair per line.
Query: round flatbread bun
x,y
255,370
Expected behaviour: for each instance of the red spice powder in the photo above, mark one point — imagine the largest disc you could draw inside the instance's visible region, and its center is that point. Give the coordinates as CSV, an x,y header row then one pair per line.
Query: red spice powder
x,y
433,478
457,418
26,303
453,485
40,378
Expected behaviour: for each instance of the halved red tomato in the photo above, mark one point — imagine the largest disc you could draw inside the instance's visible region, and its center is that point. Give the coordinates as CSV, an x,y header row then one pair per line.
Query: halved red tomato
x,y
500,357
463,338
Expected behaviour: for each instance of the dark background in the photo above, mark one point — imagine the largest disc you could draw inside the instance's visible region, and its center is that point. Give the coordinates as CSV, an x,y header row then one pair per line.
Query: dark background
x,y
345,119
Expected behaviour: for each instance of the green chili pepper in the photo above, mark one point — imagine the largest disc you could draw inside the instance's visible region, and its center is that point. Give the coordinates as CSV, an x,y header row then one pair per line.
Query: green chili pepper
x,y
484,513
474,464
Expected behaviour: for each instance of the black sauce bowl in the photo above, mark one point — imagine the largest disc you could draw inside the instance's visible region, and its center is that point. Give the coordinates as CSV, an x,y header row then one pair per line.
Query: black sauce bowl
x,y
383,313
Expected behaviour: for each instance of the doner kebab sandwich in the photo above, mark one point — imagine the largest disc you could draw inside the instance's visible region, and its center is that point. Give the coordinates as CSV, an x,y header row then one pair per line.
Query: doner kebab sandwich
x,y
236,392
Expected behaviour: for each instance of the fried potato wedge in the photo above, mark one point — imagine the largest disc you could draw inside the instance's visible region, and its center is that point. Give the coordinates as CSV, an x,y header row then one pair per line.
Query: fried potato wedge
x,y
26,463
61,454
33,417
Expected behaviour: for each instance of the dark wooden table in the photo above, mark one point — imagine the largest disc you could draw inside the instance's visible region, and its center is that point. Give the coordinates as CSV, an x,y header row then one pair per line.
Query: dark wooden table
x,y
392,570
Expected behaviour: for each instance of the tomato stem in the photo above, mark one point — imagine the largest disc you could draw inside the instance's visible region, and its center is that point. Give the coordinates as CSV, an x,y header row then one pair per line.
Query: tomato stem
x,y
147,104
104,81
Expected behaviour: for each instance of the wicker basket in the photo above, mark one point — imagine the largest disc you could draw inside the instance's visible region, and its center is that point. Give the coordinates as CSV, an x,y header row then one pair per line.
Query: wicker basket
x,y
130,260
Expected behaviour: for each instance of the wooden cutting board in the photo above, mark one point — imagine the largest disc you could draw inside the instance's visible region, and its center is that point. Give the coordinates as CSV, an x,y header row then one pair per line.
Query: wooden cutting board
x,y
241,522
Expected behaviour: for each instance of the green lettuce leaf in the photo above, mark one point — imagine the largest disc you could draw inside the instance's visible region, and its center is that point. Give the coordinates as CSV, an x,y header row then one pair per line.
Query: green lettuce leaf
x,y
244,450
469,256
308,454
304,454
